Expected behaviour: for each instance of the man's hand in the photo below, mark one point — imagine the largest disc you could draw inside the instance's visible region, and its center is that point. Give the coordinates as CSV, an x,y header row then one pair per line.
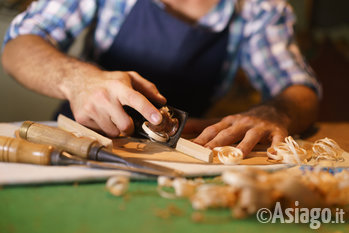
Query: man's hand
x,y
293,111
260,124
97,102
96,96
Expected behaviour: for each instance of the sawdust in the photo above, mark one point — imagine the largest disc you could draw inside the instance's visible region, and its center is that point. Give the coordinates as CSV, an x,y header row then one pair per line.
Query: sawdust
x,y
198,217
168,212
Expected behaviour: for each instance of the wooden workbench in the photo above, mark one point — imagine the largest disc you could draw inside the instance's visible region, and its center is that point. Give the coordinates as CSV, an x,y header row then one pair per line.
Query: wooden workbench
x,y
88,207
339,131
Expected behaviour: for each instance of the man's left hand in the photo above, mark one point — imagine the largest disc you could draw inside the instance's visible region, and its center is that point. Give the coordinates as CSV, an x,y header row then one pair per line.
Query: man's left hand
x,y
260,124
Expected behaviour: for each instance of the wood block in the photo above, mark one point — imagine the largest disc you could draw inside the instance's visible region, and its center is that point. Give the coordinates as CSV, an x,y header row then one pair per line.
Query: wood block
x,y
129,147
79,130
194,150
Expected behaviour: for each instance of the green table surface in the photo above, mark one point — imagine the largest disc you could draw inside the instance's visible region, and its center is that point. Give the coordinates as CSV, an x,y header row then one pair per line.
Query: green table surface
x,y
89,207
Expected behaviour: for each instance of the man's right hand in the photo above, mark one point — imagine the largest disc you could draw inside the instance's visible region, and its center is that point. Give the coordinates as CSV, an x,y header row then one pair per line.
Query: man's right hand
x,y
96,96
97,101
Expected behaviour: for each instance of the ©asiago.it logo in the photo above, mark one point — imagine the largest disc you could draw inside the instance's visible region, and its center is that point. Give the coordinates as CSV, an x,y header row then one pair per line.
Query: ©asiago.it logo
x,y
313,216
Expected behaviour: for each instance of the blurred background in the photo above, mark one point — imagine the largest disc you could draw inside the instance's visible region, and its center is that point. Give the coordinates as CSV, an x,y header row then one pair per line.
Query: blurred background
x,y
322,32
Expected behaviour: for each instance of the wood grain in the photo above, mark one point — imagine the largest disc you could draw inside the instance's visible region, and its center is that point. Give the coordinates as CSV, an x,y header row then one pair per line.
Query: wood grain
x,y
43,134
145,149
74,127
194,150
15,150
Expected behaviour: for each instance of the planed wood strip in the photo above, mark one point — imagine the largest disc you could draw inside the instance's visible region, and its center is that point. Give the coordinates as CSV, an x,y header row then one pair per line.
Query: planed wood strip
x,y
194,150
74,127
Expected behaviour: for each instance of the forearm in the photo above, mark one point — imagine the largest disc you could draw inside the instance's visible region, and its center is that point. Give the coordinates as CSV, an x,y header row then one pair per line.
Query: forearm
x,y
291,112
39,66
298,107
96,97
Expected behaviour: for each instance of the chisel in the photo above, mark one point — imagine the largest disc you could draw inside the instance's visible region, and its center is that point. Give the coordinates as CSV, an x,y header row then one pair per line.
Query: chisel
x,y
83,147
14,150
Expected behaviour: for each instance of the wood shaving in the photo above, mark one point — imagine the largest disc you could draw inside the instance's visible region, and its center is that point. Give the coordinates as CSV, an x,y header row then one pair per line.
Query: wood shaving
x,y
213,196
164,181
246,191
327,149
163,131
229,154
156,136
169,125
324,152
197,217
333,188
245,178
288,152
182,187
169,211
118,185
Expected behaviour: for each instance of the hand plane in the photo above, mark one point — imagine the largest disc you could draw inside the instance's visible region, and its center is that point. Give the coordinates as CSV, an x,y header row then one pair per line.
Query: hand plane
x,y
167,132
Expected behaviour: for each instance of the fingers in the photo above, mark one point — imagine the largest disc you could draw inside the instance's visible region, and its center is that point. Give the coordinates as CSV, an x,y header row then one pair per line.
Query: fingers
x,y
211,132
100,113
194,125
278,137
146,87
88,122
136,100
252,137
249,129
90,118
99,104
107,125
228,136
118,117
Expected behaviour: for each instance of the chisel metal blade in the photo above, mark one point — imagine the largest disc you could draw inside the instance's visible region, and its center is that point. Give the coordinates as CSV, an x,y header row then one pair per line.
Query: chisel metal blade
x,y
118,166
65,158
104,155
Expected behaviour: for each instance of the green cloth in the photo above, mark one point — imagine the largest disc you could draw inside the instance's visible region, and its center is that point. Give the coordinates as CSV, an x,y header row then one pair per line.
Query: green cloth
x,y
91,208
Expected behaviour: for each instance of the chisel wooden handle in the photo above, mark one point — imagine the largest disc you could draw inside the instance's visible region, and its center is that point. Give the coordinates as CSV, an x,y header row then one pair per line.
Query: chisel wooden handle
x,y
14,150
43,134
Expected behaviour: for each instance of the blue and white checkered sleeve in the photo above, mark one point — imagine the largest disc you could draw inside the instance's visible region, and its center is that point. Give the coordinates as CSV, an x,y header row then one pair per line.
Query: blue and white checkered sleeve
x,y
57,21
269,54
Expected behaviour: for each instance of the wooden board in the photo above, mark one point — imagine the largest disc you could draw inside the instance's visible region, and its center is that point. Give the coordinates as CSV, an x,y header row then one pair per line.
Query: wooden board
x,y
169,157
136,148
194,150
69,125
145,149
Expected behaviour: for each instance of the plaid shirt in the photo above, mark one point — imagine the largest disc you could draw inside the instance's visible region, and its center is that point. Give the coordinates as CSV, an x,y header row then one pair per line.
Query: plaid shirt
x,y
260,39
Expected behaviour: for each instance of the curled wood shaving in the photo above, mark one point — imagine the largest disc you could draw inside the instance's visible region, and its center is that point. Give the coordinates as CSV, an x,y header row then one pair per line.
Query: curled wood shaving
x,y
229,154
246,191
327,149
117,185
343,179
169,124
163,131
182,187
164,181
156,136
333,188
213,196
244,178
288,152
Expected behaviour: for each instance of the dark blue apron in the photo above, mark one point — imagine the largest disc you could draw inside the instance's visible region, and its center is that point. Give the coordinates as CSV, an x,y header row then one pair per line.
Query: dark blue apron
x,y
182,60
